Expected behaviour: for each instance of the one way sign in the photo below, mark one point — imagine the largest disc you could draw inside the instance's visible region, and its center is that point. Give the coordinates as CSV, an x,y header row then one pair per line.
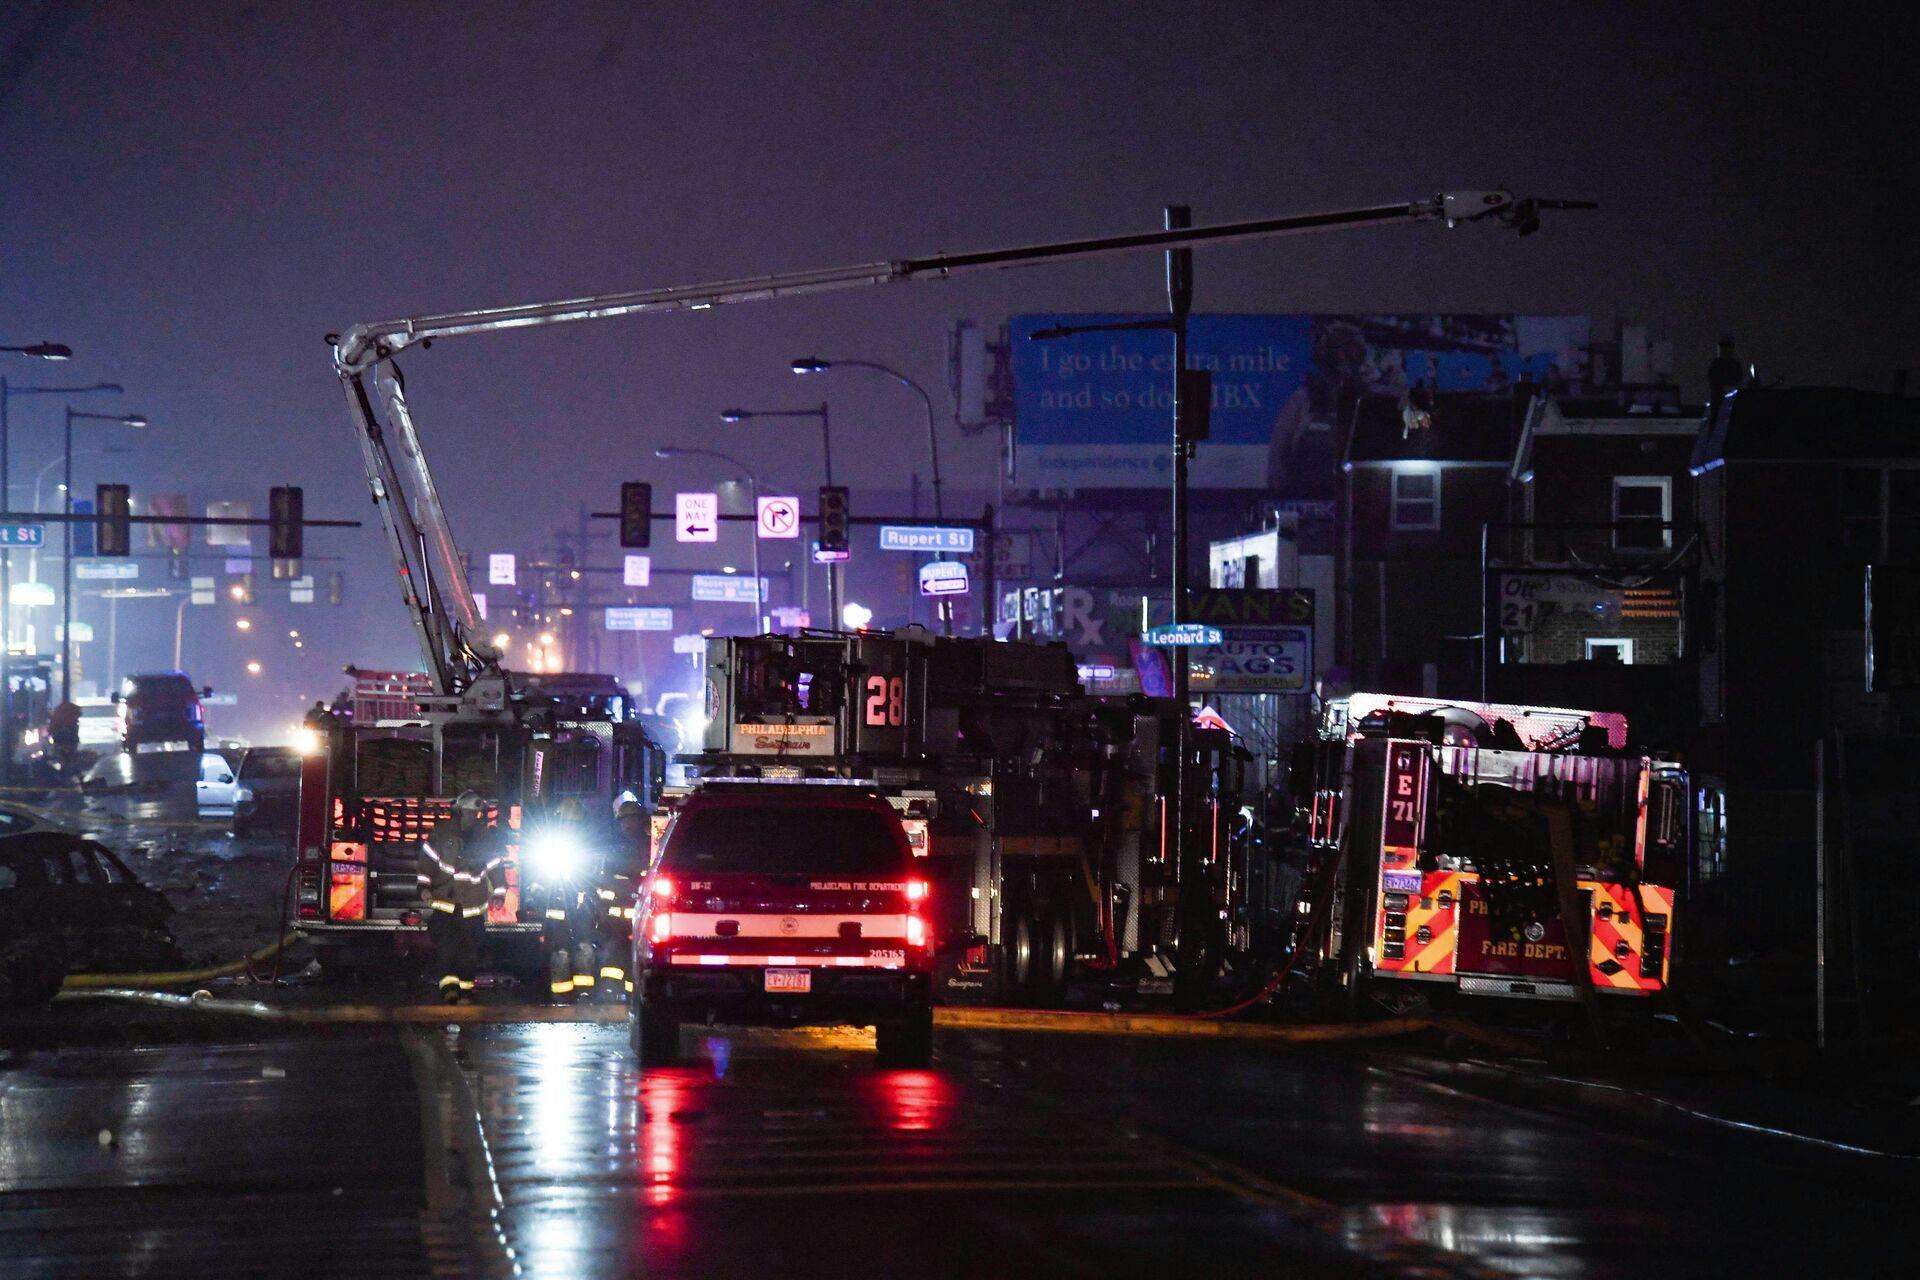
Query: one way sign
x,y
696,517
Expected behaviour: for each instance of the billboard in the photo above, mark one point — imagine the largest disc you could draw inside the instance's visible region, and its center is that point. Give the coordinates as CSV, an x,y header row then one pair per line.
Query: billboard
x,y
1095,410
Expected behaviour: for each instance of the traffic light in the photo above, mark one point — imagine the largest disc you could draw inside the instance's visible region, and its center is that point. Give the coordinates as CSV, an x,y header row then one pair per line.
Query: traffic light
x,y
115,535
833,517
636,514
286,534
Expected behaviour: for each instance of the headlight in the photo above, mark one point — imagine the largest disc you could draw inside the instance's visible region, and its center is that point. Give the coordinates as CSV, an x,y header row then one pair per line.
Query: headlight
x,y
555,857
307,740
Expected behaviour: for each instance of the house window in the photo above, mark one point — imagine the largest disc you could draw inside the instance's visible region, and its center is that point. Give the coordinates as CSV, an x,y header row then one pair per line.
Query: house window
x,y
1710,835
1642,509
1416,498
1610,650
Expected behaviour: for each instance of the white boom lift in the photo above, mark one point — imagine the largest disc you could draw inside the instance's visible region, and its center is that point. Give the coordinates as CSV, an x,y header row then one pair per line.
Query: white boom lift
x,y
463,665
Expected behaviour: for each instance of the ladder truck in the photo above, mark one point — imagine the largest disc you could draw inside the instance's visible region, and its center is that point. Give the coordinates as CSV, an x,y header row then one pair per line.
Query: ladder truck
x,y
473,729
1042,812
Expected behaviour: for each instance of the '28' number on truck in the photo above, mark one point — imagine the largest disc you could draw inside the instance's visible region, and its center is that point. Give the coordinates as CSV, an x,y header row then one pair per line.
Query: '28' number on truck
x,y
886,701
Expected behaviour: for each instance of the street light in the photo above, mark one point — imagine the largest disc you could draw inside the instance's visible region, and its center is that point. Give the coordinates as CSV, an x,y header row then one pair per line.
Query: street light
x,y
134,420
753,487
826,445
44,351
814,364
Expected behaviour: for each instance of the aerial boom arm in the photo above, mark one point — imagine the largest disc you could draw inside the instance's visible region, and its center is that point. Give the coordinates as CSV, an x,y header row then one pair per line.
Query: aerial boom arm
x,y
367,344
433,580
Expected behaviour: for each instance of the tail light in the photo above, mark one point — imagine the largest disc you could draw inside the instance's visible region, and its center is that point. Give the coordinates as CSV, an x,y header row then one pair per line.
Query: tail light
x,y
662,889
916,931
309,892
663,926
916,891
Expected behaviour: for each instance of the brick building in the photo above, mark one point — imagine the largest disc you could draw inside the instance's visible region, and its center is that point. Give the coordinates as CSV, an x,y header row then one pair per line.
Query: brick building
x,y
1589,580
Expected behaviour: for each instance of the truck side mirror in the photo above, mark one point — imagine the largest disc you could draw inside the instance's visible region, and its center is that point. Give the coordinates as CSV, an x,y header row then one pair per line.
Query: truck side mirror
x,y
118,696
206,691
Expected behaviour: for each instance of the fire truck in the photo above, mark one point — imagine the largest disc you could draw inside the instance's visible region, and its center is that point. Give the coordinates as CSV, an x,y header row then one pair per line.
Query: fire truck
x,y
1040,811
386,769
1487,850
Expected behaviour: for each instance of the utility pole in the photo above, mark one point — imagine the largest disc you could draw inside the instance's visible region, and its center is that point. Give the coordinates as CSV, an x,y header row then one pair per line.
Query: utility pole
x,y
1192,392
1195,904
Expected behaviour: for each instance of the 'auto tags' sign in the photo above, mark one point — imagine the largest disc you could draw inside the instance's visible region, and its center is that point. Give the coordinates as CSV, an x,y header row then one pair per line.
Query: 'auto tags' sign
x,y
1255,660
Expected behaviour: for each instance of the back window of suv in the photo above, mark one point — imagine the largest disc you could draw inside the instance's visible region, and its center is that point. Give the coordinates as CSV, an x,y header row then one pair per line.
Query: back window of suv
x,y
776,839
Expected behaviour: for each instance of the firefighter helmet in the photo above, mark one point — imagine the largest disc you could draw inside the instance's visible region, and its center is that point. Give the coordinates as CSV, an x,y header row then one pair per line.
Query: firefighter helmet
x,y
629,809
467,805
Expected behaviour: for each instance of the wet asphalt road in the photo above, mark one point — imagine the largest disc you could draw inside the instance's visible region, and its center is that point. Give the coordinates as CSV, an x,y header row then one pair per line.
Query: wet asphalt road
x,y
539,1150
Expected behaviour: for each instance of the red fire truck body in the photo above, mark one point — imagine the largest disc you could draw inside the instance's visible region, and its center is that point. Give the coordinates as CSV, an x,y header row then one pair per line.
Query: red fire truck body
x,y
1448,821
377,787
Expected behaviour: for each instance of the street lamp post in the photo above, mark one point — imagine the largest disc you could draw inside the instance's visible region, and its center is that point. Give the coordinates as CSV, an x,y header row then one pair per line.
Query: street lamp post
x,y
66,537
826,448
41,351
753,487
814,364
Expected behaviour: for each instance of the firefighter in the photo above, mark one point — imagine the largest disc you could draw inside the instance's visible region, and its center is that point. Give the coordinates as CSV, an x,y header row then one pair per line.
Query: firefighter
x,y
562,864
617,891
460,875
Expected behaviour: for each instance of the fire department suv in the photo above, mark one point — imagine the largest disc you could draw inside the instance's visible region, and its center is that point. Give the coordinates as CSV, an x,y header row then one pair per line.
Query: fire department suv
x,y
1443,834
781,904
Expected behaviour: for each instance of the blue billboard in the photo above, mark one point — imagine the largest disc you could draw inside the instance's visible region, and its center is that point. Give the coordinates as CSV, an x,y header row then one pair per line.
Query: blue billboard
x,y
1094,410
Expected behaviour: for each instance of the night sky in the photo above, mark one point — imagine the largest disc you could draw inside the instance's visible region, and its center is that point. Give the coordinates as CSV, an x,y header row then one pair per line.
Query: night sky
x,y
194,193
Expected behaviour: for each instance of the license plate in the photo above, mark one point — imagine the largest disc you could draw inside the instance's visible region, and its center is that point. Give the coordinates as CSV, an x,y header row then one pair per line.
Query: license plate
x,y
794,980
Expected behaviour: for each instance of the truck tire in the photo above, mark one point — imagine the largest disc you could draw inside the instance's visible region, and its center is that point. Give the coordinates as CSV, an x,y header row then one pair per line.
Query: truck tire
x,y
653,1035
1023,949
905,1042
1056,953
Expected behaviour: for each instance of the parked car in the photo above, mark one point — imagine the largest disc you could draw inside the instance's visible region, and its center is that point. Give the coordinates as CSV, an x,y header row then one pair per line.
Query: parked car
x,y
69,905
217,787
269,794
15,822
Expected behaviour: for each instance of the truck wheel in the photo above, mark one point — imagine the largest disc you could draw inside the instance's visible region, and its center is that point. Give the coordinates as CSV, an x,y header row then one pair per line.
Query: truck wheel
x,y
1056,954
1023,950
653,1035
906,1041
